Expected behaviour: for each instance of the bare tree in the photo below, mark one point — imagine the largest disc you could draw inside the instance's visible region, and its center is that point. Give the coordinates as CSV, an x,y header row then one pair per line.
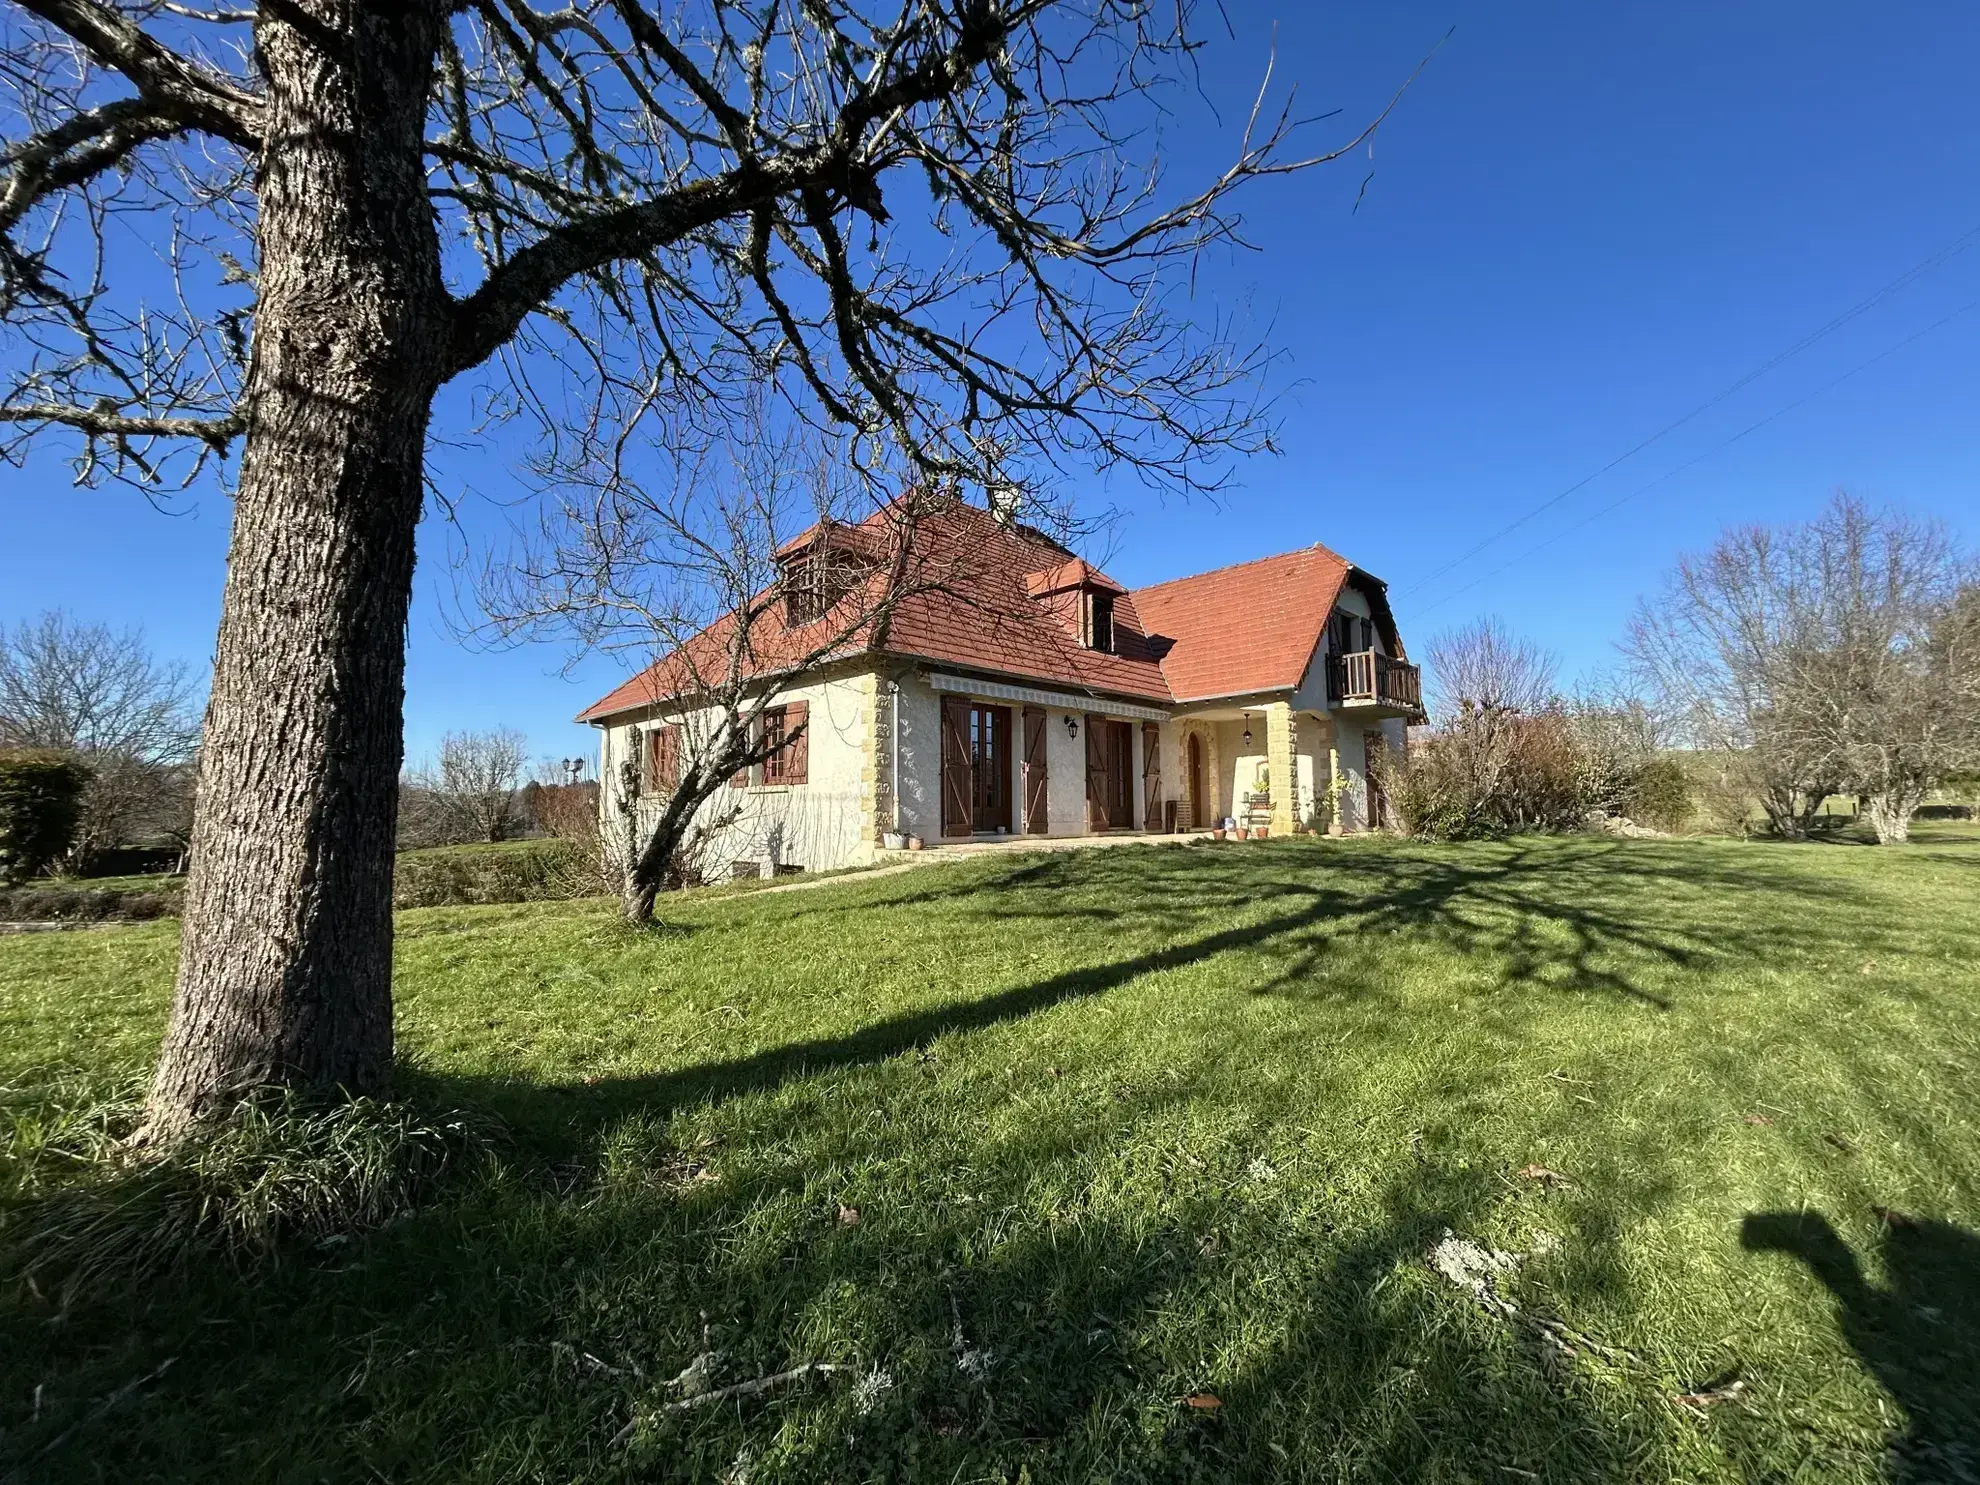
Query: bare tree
x,y
1485,666
472,794
1830,653
1880,677
1710,646
1485,682
85,689
612,211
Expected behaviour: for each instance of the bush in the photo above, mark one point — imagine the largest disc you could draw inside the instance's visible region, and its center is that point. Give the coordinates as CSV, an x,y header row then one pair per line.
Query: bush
x,y
514,871
1492,771
1660,796
41,796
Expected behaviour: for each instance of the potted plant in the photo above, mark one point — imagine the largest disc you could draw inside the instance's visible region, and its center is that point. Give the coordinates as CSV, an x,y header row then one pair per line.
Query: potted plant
x,y
1217,832
1244,832
1259,832
914,843
894,840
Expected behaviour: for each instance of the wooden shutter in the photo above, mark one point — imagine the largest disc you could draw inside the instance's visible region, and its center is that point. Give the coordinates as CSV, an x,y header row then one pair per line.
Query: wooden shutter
x,y
1036,817
958,792
739,779
797,751
1096,773
663,759
1151,777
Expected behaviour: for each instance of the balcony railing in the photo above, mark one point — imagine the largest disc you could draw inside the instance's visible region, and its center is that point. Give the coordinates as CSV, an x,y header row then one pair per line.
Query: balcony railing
x,y
1370,678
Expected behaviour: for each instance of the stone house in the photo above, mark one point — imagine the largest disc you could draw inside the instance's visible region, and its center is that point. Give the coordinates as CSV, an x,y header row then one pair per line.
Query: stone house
x,y
1030,694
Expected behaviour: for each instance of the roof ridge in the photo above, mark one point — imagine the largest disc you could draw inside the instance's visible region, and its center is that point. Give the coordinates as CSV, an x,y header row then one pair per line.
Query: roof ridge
x,y
1189,577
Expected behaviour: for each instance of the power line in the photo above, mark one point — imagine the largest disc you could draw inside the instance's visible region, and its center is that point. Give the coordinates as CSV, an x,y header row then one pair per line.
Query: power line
x,y
1902,281
1778,413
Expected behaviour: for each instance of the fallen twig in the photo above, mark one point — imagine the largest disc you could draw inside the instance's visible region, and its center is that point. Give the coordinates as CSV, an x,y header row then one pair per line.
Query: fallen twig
x,y
735,1389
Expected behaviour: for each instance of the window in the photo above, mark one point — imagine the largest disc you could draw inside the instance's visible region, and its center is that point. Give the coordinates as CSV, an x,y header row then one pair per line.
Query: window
x,y
1353,634
816,582
788,762
773,737
1100,621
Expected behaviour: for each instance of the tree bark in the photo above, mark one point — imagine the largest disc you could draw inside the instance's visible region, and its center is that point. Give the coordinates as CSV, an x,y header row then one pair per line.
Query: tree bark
x,y
285,972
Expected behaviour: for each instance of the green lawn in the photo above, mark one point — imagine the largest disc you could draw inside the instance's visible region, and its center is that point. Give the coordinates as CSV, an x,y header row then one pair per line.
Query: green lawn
x,y
1121,1128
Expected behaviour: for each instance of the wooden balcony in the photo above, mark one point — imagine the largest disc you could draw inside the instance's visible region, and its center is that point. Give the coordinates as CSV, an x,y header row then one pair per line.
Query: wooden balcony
x,y
1370,678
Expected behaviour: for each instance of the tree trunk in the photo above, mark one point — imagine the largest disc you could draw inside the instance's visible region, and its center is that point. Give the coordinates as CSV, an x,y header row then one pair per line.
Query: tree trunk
x,y
285,972
1890,816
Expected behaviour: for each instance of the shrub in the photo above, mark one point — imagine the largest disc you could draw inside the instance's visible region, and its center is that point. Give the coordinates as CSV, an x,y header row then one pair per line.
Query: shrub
x,y
514,871
1660,795
1490,771
41,795
1434,794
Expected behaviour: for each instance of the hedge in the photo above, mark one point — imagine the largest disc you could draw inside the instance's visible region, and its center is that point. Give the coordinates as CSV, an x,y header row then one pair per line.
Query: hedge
x,y
40,805
444,876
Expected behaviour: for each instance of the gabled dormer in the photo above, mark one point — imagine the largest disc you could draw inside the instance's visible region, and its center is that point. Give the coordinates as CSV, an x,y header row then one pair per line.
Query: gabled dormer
x,y
1081,598
821,569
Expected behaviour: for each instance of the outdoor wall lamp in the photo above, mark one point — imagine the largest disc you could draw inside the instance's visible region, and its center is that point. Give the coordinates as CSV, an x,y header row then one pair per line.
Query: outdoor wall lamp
x,y
1072,726
1247,729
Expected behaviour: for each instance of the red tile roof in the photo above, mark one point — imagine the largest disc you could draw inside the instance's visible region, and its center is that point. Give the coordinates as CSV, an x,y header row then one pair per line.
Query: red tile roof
x,y
968,606
1252,627
1002,599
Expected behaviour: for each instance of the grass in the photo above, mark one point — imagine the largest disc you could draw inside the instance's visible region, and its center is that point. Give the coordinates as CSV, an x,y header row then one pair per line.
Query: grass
x,y
1120,1129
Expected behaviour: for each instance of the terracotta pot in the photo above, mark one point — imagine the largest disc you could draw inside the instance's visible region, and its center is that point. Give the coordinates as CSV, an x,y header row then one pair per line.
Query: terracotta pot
x,y
1259,832
914,843
1244,832
1217,834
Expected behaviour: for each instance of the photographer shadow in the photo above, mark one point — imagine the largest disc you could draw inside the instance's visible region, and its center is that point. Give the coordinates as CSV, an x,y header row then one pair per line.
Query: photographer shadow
x,y
1918,1333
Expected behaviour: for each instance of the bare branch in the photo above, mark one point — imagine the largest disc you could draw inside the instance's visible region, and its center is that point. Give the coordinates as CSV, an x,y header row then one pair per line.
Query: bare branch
x,y
172,84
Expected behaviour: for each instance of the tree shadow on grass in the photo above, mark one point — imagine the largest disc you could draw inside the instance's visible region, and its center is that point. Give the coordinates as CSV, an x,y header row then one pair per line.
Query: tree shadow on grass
x,y
1550,916
1917,1333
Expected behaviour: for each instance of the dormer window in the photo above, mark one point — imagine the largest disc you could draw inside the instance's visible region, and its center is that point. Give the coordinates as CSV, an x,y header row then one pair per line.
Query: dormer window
x,y
1098,625
1082,598
816,581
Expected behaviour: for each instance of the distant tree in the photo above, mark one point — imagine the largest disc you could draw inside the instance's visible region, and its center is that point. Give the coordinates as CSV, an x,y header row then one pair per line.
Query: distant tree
x,y
473,792
1709,647
1833,654
102,695
1485,666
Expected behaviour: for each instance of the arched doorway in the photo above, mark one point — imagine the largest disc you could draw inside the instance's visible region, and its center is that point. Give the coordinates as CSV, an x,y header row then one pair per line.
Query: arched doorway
x,y
1199,809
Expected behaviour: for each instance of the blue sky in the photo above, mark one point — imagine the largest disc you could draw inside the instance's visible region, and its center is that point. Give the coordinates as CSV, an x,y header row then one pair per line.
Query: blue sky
x,y
1583,223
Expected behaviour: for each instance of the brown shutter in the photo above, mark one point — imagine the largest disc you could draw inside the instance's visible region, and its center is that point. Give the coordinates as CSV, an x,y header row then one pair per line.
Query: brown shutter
x,y
739,779
797,752
957,791
1096,773
1151,777
1036,818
